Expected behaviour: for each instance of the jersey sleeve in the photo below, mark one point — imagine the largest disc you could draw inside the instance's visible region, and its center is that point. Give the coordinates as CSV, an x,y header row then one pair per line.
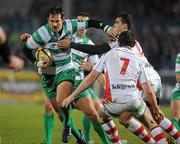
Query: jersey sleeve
x,y
38,38
91,49
143,75
177,69
98,24
92,58
75,25
99,67
81,25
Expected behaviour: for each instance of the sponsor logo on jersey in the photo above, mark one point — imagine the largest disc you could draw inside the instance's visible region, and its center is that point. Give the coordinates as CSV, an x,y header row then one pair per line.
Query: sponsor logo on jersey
x,y
147,65
122,86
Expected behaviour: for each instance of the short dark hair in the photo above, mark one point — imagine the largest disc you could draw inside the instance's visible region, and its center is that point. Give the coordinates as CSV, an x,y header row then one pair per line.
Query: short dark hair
x,y
85,14
56,10
127,38
126,18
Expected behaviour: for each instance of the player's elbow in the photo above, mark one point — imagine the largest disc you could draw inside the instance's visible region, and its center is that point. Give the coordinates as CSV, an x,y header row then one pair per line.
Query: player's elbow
x,y
178,77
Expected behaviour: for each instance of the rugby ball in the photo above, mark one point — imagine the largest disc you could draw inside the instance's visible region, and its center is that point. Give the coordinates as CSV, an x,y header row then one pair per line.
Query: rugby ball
x,y
43,55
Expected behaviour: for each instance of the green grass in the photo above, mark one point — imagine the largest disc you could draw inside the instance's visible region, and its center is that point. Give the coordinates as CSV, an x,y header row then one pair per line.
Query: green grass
x,y
23,124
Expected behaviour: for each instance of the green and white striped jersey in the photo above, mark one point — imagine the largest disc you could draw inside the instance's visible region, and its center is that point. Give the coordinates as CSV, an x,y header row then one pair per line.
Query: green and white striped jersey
x,y
46,38
177,70
78,56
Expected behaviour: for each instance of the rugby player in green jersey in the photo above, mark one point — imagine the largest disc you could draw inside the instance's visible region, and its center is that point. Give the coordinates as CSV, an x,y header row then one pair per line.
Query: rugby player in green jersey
x,y
175,97
57,79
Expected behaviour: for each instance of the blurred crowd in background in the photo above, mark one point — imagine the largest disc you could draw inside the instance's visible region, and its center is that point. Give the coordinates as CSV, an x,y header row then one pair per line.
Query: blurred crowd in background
x,y
157,22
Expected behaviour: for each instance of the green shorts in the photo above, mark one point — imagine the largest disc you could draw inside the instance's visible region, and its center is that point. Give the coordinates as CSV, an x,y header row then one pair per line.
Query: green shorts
x,y
85,93
175,95
92,93
50,82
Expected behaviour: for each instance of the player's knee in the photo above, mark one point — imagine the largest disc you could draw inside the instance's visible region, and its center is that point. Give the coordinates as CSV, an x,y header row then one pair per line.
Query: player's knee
x,y
123,122
176,114
48,108
92,114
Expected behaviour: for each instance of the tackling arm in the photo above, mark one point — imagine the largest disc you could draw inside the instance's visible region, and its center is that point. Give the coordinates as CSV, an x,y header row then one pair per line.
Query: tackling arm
x,y
84,85
90,49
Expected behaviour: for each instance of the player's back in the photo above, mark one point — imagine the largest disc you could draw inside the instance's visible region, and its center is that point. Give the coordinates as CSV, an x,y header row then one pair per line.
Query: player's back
x,y
123,68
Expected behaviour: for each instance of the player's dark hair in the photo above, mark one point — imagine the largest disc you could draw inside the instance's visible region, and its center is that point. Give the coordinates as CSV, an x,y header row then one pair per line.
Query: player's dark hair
x,y
127,38
85,14
126,18
56,10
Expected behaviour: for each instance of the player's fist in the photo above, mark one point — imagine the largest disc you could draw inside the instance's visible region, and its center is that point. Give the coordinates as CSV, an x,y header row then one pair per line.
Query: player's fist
x,y
64,43
67,101
16,63
86,66
24,37
158,116
112,34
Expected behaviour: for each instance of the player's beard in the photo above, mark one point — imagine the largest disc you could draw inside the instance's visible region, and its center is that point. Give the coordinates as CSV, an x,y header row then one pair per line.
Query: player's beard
x,y
55,28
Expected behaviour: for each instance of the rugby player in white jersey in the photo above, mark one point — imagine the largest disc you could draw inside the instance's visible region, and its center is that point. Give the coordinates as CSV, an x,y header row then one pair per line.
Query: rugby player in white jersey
x,y
137,128
123,68
122,23
79,59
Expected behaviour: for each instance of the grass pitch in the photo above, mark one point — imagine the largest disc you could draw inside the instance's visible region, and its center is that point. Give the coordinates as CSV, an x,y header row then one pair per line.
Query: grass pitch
x,y
23,124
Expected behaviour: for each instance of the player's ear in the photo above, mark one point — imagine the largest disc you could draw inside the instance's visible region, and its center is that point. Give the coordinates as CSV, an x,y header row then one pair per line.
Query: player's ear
x,y
48,18
62,17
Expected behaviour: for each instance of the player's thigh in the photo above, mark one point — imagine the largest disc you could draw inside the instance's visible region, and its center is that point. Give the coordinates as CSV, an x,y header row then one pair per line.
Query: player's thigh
x,y
175,108
63,82
64,89
86,105
96,103
125,118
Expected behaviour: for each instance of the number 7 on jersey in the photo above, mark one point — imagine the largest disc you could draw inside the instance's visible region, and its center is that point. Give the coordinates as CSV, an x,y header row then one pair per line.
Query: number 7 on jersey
x,y
125,65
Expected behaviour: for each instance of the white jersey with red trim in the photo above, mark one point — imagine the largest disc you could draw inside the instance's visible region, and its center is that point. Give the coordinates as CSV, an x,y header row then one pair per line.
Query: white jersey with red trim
x,y
122,68
151,72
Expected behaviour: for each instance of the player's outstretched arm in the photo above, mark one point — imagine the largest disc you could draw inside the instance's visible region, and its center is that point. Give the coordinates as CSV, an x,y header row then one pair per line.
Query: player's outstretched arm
x,y
90,49
100,25
89,79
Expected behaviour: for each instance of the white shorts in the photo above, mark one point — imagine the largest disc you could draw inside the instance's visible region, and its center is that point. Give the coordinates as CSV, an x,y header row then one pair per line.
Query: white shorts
x,y
135,106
